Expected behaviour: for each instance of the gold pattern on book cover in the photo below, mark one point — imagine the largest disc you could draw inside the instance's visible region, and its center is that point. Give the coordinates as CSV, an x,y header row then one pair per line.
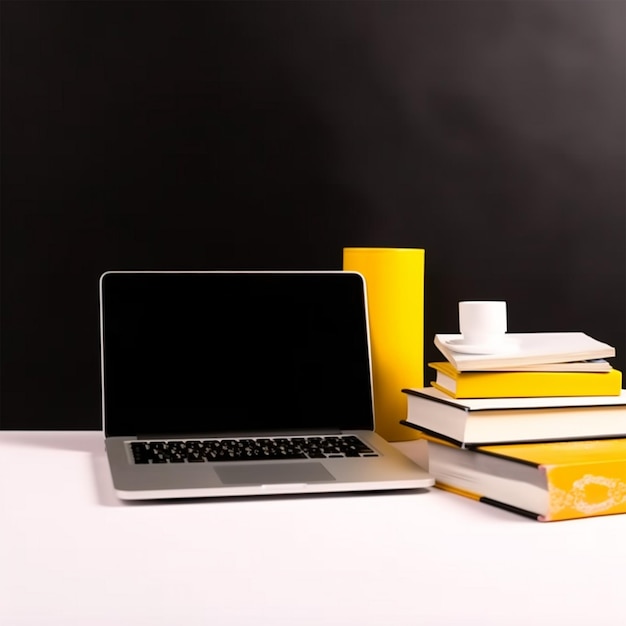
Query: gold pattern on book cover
x,y
589,495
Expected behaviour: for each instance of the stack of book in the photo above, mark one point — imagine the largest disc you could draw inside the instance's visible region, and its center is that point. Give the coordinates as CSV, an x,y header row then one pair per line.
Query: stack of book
x,y
539,430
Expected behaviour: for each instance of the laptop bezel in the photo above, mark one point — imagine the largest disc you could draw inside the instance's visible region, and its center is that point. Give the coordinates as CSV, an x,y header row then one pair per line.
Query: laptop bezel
x,y
130,433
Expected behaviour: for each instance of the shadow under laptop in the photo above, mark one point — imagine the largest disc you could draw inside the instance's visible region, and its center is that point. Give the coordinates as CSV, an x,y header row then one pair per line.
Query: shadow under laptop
x,y
234,500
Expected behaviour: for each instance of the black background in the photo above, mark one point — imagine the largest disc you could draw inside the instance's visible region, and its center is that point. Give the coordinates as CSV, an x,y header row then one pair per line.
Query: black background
x,y
269,135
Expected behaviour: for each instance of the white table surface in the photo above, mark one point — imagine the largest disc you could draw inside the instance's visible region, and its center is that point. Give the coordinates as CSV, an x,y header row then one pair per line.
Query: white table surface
x,y
71,554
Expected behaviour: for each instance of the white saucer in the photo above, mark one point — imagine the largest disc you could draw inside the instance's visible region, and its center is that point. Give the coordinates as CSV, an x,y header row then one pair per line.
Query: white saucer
x,y
460,345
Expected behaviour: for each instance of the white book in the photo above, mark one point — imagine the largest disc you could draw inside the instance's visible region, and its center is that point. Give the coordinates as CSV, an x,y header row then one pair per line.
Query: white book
x,y
479,421
525,349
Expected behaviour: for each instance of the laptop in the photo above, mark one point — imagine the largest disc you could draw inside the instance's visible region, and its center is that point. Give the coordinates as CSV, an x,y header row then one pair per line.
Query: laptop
x,y
241,383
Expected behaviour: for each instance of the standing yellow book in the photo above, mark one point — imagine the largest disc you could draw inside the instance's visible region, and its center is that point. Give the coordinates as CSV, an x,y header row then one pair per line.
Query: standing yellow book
x,y
546,481
492,384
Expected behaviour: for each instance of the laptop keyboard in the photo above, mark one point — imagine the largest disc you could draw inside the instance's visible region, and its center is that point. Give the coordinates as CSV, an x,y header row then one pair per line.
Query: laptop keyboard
x,y
264,448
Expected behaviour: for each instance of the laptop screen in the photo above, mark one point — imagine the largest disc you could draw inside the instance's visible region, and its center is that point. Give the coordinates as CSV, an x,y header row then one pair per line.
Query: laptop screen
x,y
234,352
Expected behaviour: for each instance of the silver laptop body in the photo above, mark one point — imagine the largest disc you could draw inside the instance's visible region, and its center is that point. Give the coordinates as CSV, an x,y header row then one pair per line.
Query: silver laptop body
x,y
272,365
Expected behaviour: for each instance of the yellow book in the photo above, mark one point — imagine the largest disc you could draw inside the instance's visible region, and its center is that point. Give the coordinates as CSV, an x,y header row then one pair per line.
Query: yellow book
x,y
493,384
549,482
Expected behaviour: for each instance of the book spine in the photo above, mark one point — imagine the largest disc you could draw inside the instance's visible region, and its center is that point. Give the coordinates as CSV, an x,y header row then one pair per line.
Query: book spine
x,y
533,384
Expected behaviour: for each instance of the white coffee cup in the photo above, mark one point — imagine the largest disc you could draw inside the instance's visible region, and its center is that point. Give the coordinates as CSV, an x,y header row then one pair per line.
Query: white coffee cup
x,y
483,322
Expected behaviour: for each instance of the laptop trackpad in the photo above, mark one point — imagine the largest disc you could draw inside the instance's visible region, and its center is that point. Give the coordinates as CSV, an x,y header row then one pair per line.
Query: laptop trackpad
x,y
269,473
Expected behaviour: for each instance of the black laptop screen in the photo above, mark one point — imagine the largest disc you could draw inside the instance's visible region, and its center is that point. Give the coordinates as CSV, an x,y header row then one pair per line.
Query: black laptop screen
x,y
213,352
